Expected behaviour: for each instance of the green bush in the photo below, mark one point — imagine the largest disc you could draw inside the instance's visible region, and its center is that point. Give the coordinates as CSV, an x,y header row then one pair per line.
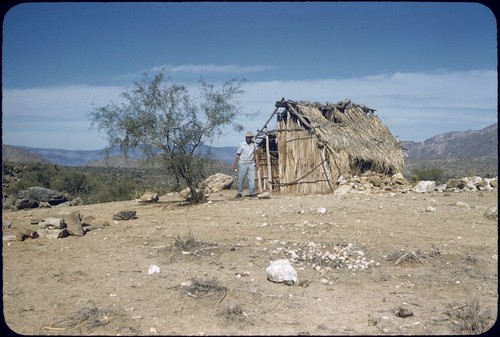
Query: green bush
x,y
432,173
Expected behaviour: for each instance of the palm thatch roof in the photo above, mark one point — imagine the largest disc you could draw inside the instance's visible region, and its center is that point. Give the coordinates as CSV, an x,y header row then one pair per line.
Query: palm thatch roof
x,y
314,144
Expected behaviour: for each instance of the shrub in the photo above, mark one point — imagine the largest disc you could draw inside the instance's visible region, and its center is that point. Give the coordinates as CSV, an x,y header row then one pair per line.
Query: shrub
x,y
432,173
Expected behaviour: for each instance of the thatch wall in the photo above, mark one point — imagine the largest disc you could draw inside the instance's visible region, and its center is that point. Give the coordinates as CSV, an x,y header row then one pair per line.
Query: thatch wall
x,y
315,144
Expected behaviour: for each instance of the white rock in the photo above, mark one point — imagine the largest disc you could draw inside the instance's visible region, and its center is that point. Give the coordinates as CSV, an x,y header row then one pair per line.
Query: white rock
x,y
425,186
281,271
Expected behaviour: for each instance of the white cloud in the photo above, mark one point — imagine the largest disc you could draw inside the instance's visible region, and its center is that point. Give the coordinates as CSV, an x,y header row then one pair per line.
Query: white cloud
x,y
194,70
415,106
211,68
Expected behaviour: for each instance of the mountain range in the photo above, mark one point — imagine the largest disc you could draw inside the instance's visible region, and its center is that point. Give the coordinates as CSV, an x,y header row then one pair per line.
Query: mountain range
x,y
470,144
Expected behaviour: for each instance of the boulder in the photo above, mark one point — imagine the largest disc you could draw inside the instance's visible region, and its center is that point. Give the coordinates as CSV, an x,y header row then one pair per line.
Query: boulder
x,y
38,194
425,186
74,224
455,183
375,180
219,182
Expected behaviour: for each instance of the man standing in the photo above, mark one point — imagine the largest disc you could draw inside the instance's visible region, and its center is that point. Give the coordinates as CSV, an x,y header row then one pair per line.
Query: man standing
x,y
245,163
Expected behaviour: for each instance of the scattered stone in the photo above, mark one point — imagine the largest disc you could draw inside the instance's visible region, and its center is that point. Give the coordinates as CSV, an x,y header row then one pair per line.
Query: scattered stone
x,y
148,197
16,236
326,256
281,271
46,233
90,220
343,189
491,213
430,209
425,186
321,210
53,223
125,215
74,224
403,313
264,195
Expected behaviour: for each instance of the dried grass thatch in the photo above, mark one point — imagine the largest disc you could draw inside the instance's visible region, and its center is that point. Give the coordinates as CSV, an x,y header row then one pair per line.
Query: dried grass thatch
x,y
314,144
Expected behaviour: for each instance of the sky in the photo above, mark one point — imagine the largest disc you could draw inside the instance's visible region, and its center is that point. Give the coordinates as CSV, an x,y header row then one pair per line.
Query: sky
x,y
426,68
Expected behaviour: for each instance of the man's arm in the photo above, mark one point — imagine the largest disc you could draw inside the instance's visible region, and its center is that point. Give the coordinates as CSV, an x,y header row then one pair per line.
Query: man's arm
x,y
236,160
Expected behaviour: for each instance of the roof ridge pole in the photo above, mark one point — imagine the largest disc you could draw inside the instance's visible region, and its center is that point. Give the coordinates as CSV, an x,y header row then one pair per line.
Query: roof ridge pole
x,y
269,119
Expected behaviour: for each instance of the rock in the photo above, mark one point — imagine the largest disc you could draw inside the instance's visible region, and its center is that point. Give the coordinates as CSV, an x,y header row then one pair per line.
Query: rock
x,y
403,313
74,224
321,210
494,183
149,197
93,221
264,195
25,203
343,189
491,213
15,236
38,194
455,183
54,223
46,233
425,186
375,180
219,182
281,271
125,215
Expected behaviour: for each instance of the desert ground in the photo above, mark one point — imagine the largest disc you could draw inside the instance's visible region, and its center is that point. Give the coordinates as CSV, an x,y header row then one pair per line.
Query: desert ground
x,y
371,263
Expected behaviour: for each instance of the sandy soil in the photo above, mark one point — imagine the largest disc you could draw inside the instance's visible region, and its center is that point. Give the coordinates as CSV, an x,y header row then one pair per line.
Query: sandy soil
x,y
100,284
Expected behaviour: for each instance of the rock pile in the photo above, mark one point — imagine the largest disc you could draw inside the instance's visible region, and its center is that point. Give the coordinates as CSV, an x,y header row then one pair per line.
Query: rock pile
x,y
371,181
328,256
54,227
374,182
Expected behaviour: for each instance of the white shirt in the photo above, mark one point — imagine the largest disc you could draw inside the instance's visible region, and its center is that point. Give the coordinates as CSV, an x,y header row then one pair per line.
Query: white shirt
x,y
246,152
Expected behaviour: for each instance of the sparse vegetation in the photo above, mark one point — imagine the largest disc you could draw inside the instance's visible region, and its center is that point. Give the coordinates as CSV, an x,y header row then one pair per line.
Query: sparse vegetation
x,y
232,313
471,317
185,243
90,184
204,287
83,320
432,173
163,120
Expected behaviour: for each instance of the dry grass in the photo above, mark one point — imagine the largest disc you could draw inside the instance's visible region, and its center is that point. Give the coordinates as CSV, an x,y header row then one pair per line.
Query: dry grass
x,y
83,320
199,287
186,242
232,313
471,317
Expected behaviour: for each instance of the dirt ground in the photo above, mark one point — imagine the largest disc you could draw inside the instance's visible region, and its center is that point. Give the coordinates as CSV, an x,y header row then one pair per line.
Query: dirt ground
x,y
433,267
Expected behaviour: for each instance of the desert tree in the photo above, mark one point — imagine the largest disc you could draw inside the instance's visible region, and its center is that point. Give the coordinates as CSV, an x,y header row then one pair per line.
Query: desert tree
x,y
164,120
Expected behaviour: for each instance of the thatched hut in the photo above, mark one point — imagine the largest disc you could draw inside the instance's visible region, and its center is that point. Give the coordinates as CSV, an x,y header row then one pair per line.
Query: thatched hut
x,y
314,144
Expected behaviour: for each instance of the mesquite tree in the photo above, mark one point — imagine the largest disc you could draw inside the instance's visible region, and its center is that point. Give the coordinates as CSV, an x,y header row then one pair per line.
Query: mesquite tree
x,y
163,120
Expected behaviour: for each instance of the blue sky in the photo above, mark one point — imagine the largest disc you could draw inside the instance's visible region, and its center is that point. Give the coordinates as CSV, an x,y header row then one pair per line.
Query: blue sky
x,y
427,68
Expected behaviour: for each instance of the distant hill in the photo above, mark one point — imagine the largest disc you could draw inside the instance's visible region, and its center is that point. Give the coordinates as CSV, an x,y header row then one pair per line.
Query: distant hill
x,y
24,154
456,145
18,155
460,153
